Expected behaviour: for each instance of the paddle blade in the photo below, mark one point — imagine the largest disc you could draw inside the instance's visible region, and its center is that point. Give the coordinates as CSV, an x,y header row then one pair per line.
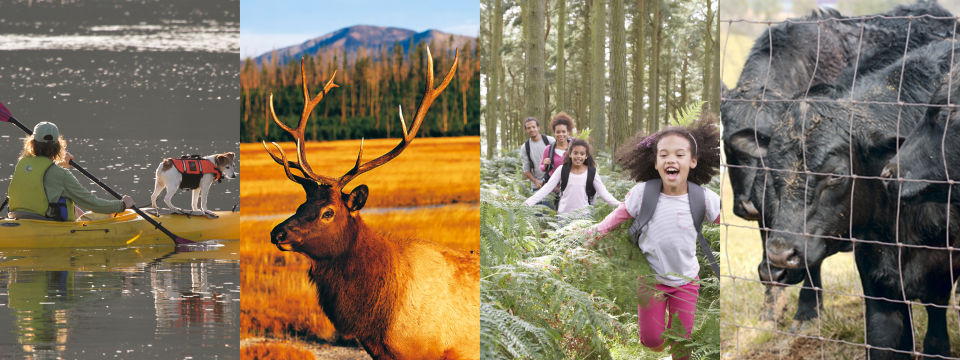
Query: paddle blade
x,y
182,241
4,113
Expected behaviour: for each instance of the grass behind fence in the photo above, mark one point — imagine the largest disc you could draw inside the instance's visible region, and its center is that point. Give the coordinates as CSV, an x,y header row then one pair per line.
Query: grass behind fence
x,y
841,319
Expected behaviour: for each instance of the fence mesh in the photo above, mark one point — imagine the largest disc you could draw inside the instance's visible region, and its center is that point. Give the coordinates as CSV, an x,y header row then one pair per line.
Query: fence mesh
x,y
754,323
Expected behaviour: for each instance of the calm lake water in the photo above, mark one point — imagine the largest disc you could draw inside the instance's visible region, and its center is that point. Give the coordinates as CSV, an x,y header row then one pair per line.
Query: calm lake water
x,y
128,83
126,303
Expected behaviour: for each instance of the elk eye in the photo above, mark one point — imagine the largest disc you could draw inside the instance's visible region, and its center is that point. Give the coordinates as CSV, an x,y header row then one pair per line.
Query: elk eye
x,y
328,214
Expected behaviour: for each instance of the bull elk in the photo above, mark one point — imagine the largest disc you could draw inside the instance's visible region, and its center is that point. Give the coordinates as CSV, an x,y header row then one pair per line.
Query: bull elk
x,y
400,298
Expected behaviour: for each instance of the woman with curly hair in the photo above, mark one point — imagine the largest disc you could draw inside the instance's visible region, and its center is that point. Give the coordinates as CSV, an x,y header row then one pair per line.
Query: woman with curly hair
x,y
577,166
40,190
676,155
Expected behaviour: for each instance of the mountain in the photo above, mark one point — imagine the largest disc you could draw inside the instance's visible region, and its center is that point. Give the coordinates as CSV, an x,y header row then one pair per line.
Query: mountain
x,y
366,36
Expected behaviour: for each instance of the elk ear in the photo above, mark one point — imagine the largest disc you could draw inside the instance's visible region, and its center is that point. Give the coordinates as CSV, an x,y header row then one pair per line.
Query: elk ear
x,y
357,198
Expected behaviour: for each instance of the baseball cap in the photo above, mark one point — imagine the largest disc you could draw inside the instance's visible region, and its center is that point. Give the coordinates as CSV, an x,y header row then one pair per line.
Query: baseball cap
x,y
46,132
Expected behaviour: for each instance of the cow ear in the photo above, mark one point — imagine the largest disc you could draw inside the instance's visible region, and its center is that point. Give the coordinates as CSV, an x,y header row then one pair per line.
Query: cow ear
x,y
357,198
889,145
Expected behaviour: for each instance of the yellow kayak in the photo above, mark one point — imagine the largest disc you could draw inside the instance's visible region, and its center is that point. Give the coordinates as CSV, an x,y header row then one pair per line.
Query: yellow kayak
x,y
125,229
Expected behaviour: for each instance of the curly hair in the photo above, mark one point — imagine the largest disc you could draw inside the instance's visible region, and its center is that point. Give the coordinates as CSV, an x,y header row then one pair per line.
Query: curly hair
x,y
56,151
567,161
639,154
562,119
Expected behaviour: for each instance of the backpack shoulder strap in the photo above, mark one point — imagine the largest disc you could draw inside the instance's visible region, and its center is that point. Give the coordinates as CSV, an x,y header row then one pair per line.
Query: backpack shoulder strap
x,y
553,147
591,173
651,194
698,209
530,159
546,141
564,176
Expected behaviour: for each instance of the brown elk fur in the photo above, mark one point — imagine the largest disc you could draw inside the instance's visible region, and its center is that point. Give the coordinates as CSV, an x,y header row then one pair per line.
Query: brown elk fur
x,y
400,298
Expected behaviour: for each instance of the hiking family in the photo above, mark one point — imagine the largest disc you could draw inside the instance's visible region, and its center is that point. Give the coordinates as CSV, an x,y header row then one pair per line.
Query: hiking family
x,y
668,203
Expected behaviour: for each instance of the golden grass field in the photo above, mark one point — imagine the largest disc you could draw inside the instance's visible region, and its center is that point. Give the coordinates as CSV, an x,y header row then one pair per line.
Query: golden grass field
x,y
278,299
274,351
842,317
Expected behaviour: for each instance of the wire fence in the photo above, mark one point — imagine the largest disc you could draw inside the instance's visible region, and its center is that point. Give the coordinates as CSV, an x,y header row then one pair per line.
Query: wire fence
x,y
919,255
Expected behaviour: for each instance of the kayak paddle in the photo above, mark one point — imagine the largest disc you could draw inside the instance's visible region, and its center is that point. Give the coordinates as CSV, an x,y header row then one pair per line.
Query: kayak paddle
x,y
6,117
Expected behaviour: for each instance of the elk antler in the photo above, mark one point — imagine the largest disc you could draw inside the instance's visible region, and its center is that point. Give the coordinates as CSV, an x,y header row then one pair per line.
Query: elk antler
x,y
297,133
358,169
428,98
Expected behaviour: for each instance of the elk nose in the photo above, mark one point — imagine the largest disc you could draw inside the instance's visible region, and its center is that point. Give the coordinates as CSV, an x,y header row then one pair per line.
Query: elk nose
x,y
278,236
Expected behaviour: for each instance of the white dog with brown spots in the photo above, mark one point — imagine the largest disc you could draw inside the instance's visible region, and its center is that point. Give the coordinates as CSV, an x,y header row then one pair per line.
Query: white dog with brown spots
x,y
170,178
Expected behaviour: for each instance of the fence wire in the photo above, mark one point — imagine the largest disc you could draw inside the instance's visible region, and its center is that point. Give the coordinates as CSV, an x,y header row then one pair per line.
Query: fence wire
x,y
732,281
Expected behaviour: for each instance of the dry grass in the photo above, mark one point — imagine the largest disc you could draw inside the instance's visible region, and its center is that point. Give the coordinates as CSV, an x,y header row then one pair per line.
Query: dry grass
x,y
274,351
278,298
430,171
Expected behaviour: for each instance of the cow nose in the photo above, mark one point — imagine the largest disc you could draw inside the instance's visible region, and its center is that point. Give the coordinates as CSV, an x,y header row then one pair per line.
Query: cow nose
x,y
787,257
889,172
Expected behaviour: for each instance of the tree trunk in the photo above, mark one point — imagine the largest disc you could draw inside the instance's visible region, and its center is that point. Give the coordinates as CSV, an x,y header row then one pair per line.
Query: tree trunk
x,y
639,24
534,76
561,60
493,68
683,81
597,104
585,63
667,86
653,123
618,75
708,58
715,81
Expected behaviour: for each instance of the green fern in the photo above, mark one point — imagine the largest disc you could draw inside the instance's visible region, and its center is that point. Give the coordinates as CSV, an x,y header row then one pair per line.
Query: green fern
x,y
688,114
545,296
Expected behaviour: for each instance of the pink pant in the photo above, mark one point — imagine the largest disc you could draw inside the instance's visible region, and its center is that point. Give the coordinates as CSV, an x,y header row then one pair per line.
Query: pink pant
x,y
675,300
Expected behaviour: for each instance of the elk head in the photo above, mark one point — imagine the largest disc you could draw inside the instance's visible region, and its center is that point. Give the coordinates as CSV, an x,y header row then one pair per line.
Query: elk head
x,y
327,223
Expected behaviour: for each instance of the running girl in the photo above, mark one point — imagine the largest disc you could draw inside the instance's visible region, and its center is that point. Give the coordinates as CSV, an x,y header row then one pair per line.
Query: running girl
x,y
675,155
577,166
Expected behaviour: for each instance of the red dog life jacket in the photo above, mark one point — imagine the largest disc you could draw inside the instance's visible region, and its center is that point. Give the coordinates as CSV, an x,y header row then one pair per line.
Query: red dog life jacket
x,y
193,168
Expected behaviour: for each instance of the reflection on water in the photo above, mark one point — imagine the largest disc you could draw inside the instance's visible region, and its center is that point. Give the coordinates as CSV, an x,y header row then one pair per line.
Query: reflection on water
x,y
130,303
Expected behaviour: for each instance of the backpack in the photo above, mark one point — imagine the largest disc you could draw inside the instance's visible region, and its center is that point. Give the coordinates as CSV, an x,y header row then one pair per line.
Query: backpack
x,y
527,145
651,193
565,174
546,171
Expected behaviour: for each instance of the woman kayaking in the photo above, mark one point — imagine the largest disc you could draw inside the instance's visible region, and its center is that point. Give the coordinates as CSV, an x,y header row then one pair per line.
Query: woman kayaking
x,y
39,190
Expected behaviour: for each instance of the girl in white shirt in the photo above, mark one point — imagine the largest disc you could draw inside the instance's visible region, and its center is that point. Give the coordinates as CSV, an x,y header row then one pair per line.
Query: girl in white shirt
x,y
574,196
675,155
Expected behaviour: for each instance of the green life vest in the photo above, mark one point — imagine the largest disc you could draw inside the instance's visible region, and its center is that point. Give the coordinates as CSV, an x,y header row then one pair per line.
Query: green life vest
x,y
26,188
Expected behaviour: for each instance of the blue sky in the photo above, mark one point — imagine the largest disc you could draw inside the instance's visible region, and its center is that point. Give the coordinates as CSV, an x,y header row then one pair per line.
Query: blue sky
x,y
269,24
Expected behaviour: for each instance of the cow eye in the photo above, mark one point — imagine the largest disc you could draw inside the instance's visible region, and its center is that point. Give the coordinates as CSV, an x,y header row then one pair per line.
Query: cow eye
x,y
328,214
835,178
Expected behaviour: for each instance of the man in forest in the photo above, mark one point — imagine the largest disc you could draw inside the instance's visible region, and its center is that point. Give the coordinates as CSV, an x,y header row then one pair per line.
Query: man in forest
x,y
531,153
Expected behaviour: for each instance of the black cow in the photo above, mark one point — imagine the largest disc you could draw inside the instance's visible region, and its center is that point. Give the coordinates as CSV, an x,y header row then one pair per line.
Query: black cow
x,y
921,156
819,206
795,64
